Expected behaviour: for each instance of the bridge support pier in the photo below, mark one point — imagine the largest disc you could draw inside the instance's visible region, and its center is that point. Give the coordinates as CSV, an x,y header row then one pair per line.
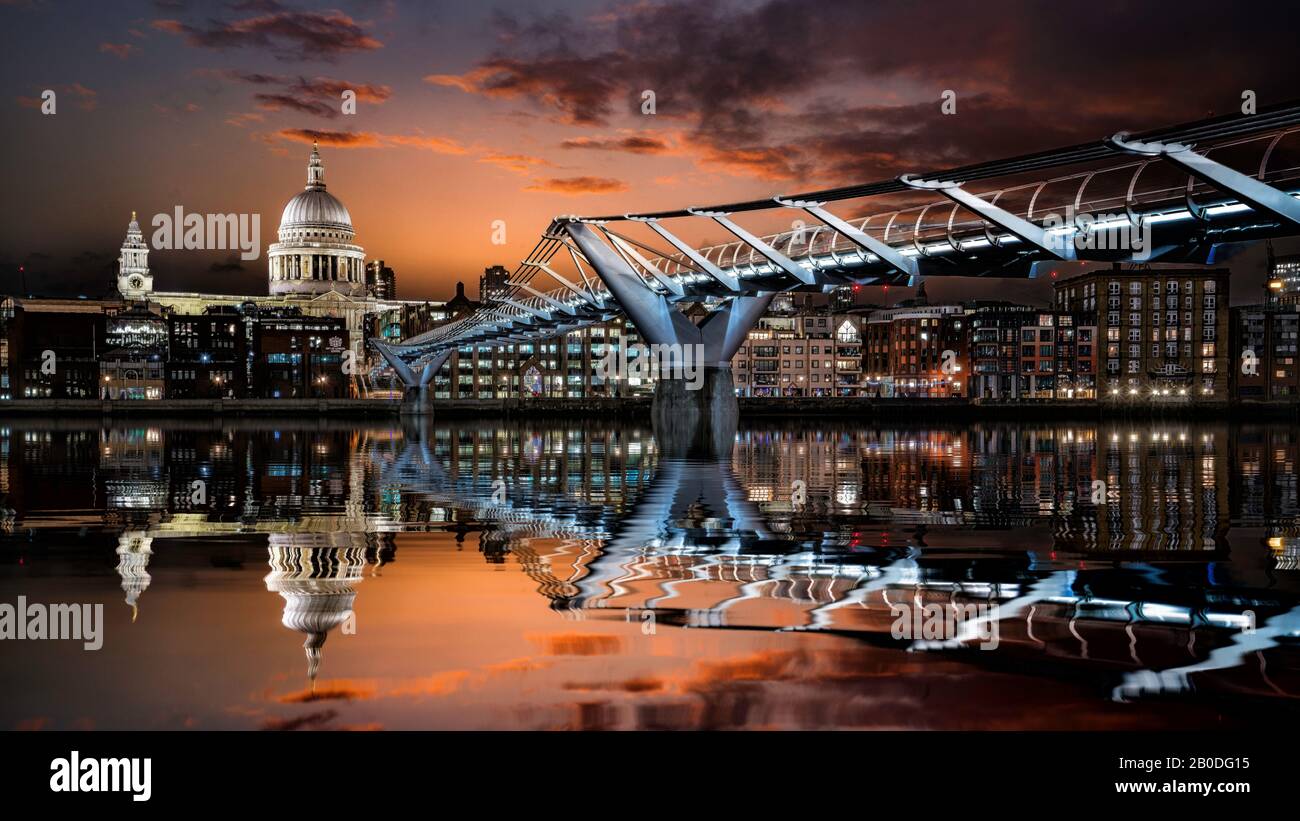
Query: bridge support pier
x,y
695,411
417,400
696,417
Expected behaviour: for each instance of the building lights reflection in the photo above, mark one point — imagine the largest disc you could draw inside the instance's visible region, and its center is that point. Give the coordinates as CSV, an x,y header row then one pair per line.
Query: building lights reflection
x,y
1099,544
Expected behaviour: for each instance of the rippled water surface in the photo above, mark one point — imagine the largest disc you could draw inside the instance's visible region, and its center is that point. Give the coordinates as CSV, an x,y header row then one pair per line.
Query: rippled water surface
x,y
550,574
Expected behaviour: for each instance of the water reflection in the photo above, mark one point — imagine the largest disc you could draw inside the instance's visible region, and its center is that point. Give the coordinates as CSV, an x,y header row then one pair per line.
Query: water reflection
x,y
1117,563
133,550
316,574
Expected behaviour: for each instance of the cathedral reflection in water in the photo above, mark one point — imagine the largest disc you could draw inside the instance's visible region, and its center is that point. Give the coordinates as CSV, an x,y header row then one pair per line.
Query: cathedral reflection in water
x,y
1162,554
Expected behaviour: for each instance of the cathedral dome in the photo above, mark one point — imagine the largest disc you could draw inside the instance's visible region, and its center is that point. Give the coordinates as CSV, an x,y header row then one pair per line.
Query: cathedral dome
x,y
316,253
316,208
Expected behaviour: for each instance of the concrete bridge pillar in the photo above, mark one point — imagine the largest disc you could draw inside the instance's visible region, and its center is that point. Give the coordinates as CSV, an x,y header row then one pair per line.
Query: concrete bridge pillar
x,y
696,420
695,411
416,402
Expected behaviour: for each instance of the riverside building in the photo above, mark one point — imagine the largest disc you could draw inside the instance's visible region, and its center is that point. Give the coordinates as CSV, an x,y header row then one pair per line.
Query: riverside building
x,y
1163,331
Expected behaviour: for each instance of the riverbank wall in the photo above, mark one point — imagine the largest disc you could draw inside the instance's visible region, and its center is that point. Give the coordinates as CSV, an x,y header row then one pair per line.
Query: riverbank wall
x,y
862,409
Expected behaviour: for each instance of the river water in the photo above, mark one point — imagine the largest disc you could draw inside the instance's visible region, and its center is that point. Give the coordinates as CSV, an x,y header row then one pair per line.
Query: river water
x,y
553,574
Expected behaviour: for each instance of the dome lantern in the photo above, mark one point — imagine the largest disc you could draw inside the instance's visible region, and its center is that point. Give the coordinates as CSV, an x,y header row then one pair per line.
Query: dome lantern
x,y
315,169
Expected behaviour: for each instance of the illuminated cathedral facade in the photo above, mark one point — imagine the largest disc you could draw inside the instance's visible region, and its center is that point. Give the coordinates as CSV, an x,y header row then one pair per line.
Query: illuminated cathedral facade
x,y
315,269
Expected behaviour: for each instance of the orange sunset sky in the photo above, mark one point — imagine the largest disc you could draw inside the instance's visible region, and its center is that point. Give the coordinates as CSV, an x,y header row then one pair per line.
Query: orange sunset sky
x,y
470,113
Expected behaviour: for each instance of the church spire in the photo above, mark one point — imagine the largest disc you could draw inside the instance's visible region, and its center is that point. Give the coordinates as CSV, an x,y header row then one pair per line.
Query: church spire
x,y
315,169
133,278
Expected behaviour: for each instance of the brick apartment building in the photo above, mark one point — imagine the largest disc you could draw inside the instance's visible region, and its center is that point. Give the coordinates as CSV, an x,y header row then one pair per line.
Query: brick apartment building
x,y
917,350
1023,352
1164,331
801,351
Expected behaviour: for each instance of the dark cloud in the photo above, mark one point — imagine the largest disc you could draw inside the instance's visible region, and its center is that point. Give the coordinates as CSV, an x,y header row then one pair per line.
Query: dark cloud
x,y
256,5
319,719
867,142
317,96
287,34
119,50
248,77
787,161
576,87
578,185
852,92
370,139
333,89
630,144
279,102
338,139
323,87
330,691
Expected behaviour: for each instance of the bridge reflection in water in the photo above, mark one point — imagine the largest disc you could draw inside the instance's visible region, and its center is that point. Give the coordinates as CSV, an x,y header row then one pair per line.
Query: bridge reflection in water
x,y
1158,558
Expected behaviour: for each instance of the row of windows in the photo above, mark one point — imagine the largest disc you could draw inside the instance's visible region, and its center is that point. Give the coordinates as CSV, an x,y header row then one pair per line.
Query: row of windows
x,y
1135,366
770,350
191,374
1208,320
842,364
814,378
1170,303
1136,287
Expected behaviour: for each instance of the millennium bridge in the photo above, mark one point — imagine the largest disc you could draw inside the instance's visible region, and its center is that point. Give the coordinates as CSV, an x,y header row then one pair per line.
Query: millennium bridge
x,y
1176,194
